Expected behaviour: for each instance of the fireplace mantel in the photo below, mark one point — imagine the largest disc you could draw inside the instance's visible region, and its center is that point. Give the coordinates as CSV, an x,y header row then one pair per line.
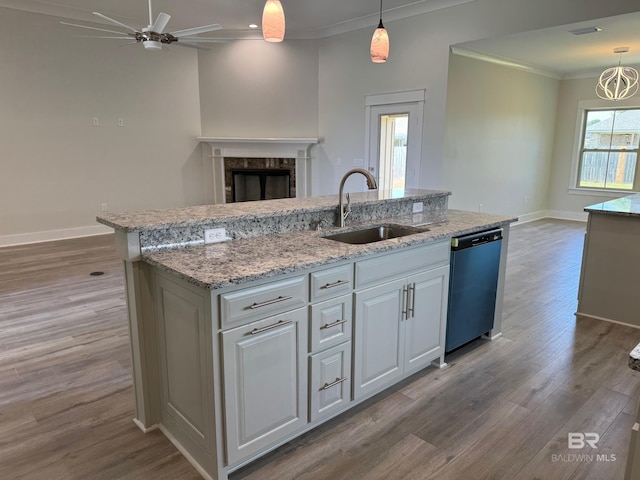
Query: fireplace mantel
x,y
298,148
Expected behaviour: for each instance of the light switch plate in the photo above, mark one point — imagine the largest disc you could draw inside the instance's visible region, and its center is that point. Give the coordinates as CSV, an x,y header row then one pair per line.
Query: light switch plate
x,y
418,207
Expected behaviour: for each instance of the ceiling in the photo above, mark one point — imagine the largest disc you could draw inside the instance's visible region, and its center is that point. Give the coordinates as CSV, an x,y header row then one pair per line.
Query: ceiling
x,y
552,51
305,18
561,54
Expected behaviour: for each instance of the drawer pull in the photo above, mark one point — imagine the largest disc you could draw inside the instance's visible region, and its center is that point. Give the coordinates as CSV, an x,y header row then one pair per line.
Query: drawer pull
x,y
327,386
269,302
281,323
334,284
333,324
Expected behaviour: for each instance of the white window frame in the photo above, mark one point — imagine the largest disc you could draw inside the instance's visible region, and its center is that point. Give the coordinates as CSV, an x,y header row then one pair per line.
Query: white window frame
x,y
583,106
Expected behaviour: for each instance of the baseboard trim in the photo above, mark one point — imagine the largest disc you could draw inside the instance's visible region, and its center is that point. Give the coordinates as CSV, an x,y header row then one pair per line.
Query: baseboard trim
x,y
52,235
556,214
603,319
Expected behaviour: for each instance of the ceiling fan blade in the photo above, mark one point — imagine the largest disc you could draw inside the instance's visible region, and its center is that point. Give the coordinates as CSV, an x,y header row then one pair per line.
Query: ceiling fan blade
x,y
206,40
116,22
190,45
94,28
195,31
93,36
160,23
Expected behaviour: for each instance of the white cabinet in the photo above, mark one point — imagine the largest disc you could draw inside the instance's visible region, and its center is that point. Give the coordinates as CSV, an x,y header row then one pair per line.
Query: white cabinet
x,y
399,324
330,382
265,382
425,325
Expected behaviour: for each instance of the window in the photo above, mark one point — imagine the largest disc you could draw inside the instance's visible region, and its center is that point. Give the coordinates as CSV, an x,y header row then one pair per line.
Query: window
x,y
609,149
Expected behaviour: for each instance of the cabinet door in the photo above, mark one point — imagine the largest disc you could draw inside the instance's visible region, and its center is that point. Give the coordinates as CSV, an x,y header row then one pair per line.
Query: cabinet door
x,y
426,323
378,355
265,382
330,383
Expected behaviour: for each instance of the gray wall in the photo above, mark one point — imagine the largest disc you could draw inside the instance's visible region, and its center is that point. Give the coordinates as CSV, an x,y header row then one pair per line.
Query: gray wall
x,y
499,136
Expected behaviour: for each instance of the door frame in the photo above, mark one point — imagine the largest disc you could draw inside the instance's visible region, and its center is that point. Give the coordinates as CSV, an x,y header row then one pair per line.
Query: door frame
x,y
412,102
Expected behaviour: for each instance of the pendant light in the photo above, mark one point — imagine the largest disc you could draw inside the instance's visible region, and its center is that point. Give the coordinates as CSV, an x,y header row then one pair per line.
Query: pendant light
x,y
380,42
273,23
618,83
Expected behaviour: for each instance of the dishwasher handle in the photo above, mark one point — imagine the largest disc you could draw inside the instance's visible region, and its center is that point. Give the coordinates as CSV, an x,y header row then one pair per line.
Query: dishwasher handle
x,y
476,239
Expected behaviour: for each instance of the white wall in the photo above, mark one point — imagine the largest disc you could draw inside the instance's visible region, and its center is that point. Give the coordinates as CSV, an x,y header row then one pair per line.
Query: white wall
x,y
57,169
418,59
561,198
253,88
499,136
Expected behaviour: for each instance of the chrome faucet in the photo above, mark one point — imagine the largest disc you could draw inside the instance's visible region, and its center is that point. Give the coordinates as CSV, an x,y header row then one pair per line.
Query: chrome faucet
x,y
371,184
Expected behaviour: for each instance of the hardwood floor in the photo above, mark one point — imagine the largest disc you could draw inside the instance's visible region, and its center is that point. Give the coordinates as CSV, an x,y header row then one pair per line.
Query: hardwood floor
x,y
500,410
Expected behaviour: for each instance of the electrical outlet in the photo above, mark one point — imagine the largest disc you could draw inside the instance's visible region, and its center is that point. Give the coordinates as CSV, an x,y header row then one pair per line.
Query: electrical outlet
x,y
480,207
103,207
418,207
215,235
96,122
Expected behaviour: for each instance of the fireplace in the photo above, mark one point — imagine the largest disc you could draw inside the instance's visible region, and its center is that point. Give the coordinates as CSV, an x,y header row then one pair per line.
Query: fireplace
x,y
248,179
271,160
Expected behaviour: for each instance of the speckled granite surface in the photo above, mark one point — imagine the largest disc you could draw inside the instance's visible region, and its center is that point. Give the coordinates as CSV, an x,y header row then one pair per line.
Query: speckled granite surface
x,y
219,265
186,226
634,358
620,206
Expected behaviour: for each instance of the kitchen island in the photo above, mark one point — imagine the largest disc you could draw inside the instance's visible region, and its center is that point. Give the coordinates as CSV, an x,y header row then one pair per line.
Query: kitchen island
x,y
241,346
610,273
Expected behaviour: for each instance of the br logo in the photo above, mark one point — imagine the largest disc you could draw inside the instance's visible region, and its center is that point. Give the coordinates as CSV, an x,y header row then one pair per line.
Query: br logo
x,y
580,440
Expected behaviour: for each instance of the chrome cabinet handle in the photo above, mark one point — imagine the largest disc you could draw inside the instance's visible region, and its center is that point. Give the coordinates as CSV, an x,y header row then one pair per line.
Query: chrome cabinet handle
x,y
405,302
327,386
269,302
281,323
334,284
412,294
329,325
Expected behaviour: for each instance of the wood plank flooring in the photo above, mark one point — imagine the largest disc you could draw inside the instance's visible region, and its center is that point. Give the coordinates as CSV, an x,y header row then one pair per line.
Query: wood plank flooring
x,y
501,410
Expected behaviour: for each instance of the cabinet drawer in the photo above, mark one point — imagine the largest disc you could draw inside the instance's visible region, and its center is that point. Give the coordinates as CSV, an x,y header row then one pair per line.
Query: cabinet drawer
x,y
330,385
387,267
331,282
330,322
254,303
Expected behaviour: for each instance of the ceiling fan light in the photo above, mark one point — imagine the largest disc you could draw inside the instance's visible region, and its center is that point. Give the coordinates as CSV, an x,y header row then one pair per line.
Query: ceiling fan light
x,y
380,45
273,22
152,45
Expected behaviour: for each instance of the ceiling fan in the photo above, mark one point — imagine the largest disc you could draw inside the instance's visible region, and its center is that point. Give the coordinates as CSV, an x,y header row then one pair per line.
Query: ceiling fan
x,y
153,36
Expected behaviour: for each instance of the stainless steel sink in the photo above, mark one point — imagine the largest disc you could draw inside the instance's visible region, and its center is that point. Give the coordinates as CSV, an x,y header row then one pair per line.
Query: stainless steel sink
x,y
375,234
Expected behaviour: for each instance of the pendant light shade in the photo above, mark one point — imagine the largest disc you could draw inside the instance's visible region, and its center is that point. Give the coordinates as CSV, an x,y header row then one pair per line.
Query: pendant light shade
x,y
618,83
273,24
380,44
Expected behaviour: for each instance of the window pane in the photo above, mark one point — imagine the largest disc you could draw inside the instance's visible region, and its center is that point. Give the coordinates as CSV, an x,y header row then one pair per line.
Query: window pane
x,y
612,129
608,170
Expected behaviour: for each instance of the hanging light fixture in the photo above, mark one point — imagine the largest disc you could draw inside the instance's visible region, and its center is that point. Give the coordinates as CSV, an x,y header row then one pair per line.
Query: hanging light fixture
x,y
380,42
273,23
618,83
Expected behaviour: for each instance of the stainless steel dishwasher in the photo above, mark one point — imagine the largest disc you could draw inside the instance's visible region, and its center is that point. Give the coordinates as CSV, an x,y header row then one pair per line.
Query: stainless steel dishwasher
x,y
473,281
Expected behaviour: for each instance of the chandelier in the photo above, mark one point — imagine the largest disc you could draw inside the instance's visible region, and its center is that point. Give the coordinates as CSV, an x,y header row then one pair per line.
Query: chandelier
x,y
618,83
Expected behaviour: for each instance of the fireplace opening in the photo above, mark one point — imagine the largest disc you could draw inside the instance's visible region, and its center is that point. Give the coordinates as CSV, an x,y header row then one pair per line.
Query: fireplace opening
x,y
260,184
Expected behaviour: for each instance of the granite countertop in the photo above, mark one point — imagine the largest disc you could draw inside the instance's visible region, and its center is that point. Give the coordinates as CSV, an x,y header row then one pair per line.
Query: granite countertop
x,y
220,265
629,205
159,219
634,358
